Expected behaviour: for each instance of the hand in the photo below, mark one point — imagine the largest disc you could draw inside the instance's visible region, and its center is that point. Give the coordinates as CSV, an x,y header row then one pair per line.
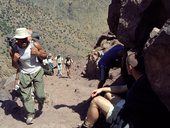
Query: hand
x,y
34,51
16,57
96,92
16,84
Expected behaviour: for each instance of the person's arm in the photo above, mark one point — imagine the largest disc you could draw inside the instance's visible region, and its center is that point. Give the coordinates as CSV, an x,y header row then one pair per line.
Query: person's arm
x,y
16,79
17,75
38,51
119,89
111,89
15,58
98,91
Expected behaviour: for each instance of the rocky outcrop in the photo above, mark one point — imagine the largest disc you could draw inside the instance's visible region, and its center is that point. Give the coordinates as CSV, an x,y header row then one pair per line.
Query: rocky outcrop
x,y
157,63
132,23
134,19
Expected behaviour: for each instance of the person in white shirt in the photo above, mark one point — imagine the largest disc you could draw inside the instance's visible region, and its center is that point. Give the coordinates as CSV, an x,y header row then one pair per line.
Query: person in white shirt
x,y
59,60
26,59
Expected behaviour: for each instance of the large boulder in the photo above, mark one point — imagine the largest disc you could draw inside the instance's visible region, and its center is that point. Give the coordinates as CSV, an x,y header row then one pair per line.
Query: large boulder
x,y
157,63
132,22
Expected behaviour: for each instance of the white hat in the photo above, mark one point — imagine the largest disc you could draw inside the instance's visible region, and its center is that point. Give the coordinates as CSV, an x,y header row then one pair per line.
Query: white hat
x,y
21,33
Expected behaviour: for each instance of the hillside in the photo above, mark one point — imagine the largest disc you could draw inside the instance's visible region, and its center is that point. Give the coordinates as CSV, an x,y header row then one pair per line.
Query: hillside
x,y
67,27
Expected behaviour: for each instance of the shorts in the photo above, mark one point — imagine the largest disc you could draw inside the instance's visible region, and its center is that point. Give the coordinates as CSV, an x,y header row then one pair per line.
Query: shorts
x,y
114,110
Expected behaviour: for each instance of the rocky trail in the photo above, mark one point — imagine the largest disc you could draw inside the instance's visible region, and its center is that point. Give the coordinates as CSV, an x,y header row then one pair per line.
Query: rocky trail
x,y
66,104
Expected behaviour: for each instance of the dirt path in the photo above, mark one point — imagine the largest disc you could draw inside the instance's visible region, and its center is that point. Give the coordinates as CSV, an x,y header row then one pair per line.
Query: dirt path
x,y
65,107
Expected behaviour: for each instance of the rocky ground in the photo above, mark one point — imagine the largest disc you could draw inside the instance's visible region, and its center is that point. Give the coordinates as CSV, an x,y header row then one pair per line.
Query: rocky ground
x,y
66,104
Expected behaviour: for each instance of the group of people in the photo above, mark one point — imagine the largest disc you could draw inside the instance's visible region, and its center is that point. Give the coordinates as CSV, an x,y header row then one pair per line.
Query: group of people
x,y
133,103
68,61
27,57
130,105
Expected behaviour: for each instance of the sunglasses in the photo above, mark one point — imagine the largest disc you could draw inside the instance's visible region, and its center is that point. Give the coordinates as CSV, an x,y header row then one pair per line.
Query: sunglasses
x,y
22,40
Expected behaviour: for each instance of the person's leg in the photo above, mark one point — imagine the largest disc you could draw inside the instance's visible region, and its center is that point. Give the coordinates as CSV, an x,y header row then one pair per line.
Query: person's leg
x,y
98,104
68,71
113,98
26,96
27,100
39,89
60,70
113,112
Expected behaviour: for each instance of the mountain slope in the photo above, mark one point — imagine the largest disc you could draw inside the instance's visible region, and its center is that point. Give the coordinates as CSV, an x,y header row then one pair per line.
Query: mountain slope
x,y
67,27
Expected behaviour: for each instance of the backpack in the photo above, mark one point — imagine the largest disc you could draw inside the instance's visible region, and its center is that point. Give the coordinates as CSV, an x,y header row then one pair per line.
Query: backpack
x,y
48,69
36,37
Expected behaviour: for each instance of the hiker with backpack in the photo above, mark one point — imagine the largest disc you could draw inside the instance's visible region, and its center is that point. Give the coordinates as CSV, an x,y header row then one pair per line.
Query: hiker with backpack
x,y
68,62
25,58
48,65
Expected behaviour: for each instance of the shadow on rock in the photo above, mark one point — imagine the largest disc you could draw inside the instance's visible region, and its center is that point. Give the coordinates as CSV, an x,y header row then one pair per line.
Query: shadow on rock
x,y
11,107
80,108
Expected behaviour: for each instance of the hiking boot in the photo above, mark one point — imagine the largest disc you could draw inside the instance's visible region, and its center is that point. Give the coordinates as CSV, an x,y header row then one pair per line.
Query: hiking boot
x,y
29,119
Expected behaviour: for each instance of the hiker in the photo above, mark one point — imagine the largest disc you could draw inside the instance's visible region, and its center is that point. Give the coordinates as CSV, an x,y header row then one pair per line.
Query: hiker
x,y
68,62
111,58
142,108
59,60
48,65
25,60
50,60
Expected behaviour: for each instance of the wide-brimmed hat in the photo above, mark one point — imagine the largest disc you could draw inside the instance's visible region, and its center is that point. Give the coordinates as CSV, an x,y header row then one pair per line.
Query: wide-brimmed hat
x,y
21,33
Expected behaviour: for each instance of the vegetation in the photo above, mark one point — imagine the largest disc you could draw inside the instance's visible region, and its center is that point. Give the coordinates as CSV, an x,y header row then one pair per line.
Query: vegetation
x,y
67,27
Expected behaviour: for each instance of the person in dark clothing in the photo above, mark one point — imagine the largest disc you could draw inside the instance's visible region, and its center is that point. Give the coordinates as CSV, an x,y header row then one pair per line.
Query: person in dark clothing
x,y
142,108
112,58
